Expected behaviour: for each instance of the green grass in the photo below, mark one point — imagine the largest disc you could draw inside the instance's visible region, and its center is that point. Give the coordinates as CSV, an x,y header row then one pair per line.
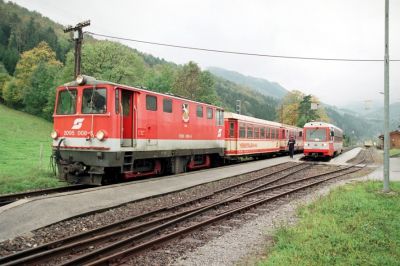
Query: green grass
x,y
354,225
21,136
394,152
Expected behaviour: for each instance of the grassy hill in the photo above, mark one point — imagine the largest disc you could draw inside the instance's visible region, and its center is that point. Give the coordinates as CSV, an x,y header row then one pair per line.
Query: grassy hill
x,y
21,136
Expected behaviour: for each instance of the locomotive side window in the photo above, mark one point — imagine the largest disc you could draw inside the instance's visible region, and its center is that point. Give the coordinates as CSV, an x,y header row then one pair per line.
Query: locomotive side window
x,y
199,111
209,113
151,103
249,132
219,115
94,101
242,131
66,102
167,105
117,101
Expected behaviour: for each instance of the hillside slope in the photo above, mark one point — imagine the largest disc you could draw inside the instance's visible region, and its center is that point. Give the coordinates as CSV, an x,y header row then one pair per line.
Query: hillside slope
x,y
263,86
21,138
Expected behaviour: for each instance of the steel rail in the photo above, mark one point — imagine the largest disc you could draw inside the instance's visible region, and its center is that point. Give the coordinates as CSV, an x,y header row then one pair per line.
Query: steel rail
x,y
87,237
9,198
92,260
87,258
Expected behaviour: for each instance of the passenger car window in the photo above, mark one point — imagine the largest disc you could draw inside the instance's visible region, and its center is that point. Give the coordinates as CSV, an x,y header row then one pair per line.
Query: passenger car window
x,y
242,131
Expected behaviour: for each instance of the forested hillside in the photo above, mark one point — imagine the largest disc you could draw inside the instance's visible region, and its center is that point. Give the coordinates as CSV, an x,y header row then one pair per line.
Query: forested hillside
x,y
36,56
263,86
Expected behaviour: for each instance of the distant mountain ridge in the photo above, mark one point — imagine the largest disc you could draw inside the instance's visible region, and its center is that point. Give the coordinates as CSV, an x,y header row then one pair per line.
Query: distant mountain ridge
x,y
263,86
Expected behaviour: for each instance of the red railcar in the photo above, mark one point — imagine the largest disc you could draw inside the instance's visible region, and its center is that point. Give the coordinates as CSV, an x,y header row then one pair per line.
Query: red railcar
x,y
106,129
322,140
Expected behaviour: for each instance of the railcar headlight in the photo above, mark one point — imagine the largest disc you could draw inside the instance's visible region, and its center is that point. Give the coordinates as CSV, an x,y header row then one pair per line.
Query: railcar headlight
x,y
80,79
100,135
323,144
54,134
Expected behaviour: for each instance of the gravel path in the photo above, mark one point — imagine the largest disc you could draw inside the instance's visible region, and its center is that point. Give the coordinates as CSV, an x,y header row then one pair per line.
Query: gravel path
x,y
247,244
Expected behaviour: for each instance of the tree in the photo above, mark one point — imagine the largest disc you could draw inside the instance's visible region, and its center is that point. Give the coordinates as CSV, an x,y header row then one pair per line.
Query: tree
x,y
36,96
26,67
289,107
109,61
191,83
4,77
160,78
306,114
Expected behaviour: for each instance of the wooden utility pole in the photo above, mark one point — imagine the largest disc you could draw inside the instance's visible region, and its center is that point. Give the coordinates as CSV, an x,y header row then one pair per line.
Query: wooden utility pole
x,y
78,37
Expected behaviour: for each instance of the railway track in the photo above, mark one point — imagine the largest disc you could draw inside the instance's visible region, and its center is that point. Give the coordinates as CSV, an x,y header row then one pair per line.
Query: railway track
x,y
126,237
10,198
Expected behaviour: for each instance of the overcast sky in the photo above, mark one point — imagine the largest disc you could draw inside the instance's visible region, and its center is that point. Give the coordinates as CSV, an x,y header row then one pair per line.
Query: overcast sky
x,y
308,28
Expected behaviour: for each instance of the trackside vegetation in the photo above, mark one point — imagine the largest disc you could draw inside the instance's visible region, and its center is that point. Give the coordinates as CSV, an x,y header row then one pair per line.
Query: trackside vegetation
x,y
21,138
394,152
355,225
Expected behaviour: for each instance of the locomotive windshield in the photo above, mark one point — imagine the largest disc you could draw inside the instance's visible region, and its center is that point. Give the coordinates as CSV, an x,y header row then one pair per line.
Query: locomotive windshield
x,y
316,134
66,102
94,101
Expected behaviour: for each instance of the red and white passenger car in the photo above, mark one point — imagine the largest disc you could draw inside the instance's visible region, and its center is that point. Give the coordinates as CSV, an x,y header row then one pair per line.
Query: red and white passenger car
x,y
106,129
322,140
249,136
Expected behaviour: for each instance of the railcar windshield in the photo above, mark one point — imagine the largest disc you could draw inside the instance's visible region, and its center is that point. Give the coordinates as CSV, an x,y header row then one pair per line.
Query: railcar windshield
x,y
66,104
94,101
316,134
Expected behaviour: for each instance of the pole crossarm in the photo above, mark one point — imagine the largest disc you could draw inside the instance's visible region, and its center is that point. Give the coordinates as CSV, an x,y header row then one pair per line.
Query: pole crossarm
x,y
78,37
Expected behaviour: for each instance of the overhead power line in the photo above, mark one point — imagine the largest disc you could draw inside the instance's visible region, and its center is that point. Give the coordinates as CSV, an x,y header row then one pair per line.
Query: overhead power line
x,y
238,53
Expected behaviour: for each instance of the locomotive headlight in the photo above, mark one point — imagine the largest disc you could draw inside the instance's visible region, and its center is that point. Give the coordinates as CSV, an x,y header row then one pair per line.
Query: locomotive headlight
x,y
80,79
54,134
100,135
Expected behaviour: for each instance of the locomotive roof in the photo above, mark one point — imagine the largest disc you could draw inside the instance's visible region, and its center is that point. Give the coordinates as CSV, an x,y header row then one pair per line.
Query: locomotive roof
x,y
321,124
95,82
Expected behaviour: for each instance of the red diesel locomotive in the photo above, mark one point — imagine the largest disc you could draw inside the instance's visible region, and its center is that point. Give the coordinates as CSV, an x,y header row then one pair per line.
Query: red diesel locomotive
x,y
105,131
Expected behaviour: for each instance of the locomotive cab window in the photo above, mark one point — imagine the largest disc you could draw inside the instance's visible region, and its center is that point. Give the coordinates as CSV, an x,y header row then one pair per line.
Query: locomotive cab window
x,y
66,104
94,101
151,103
167,105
